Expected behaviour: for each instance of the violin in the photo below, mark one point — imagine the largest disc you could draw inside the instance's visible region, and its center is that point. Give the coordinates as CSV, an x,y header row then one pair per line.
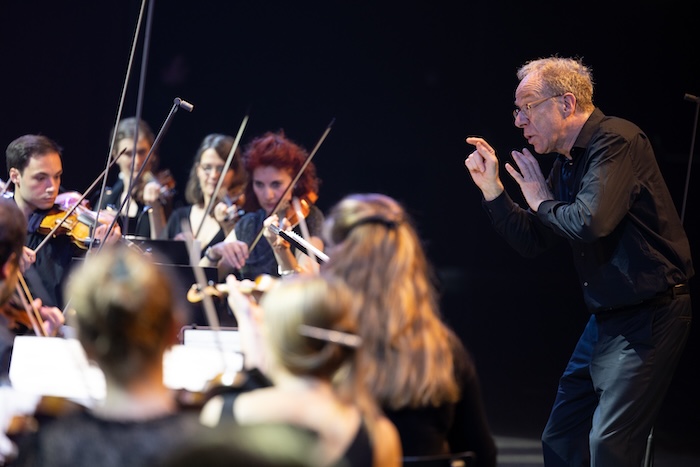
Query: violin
x,y
305,203
290,187
262,284
166,181
233,210
78,225
15,316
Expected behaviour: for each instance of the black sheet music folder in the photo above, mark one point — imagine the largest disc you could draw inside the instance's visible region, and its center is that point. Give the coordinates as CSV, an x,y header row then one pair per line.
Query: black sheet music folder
x,y
175,251
184,277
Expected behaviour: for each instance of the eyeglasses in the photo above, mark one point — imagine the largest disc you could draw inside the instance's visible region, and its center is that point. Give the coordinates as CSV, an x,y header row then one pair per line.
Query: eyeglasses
x,y
207,169
141,152
527,108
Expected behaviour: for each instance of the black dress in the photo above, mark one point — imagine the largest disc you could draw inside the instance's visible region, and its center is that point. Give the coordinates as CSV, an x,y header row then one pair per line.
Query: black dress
x,y
449,427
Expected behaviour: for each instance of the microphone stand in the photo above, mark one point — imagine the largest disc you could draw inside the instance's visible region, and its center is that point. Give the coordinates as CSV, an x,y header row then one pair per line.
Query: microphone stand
x,y
690,97
177,104
649,452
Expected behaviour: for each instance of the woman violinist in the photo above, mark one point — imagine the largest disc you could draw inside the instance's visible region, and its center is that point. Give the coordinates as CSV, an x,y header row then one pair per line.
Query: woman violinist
x,y
152,195
207,169
272,161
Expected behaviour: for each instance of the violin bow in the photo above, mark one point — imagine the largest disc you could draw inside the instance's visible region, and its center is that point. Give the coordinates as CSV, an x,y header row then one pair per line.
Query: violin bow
x,y
177,104
70,211
27,300
290,187
208,303
120,107
219,183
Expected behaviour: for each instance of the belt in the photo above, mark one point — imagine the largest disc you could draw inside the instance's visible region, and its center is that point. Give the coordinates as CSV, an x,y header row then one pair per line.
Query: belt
x,y
670,293
679,289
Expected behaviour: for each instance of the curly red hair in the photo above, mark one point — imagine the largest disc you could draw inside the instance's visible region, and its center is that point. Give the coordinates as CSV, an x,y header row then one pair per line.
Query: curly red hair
x,y
276,150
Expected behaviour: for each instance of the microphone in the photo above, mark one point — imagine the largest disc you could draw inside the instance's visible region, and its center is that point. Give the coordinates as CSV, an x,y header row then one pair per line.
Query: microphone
x,y
692,98
183,104
299,242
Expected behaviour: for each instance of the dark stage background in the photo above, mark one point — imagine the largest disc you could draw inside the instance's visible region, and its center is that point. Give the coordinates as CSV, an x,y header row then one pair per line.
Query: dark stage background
x,y
406,82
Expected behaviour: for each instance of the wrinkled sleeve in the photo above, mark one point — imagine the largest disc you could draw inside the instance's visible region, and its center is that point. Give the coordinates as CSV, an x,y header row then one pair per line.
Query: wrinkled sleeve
x,y
520,227
606,193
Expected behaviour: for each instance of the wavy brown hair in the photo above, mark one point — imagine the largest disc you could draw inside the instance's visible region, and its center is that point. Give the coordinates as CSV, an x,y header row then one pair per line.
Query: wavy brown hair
x,y
406,356
222,144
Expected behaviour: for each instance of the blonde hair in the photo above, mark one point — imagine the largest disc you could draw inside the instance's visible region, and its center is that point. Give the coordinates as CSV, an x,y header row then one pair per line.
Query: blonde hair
x,y
559,75
125,311
324,304
406,357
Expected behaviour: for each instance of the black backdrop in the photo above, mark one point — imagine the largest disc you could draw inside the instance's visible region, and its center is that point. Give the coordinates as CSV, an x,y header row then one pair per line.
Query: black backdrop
x,y
406,82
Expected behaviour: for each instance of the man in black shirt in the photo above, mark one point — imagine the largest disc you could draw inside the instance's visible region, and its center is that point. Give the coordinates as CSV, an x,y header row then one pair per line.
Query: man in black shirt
x,y
35,168
606,196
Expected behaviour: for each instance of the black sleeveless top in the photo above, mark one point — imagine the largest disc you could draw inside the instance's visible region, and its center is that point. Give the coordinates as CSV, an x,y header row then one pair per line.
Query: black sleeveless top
x,y
358,454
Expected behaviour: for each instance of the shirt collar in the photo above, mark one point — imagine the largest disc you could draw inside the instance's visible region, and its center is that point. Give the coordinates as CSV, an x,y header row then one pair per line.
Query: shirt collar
x,y
587,131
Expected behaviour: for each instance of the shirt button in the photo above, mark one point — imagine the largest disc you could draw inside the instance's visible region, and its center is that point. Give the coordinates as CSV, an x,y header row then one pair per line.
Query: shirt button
x,y
585,284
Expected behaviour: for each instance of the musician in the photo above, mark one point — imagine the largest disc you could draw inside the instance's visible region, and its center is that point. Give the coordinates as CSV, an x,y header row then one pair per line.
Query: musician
x,y
152,196
272,161
126,318
35,167
207,169
13,232
303,337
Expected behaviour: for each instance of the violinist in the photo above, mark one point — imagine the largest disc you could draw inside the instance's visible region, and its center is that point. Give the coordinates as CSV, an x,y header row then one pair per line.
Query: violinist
x,y
272,161
302,336
126,317
152,195
211,227
35,167
13,231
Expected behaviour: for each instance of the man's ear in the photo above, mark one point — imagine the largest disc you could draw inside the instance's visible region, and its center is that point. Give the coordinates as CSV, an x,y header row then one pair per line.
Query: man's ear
x,y
15,175
569,103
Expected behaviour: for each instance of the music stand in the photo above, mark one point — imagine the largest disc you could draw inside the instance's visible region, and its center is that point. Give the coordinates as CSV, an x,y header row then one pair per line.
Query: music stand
x,y
174,251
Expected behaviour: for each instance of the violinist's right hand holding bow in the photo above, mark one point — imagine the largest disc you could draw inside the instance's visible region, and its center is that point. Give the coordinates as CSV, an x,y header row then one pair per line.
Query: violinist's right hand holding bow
x,y
249,316
53,319
114,236
283,253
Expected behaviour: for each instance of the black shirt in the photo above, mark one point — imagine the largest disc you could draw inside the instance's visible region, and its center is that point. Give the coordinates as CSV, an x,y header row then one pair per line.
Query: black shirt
x,y
262,259
627,238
